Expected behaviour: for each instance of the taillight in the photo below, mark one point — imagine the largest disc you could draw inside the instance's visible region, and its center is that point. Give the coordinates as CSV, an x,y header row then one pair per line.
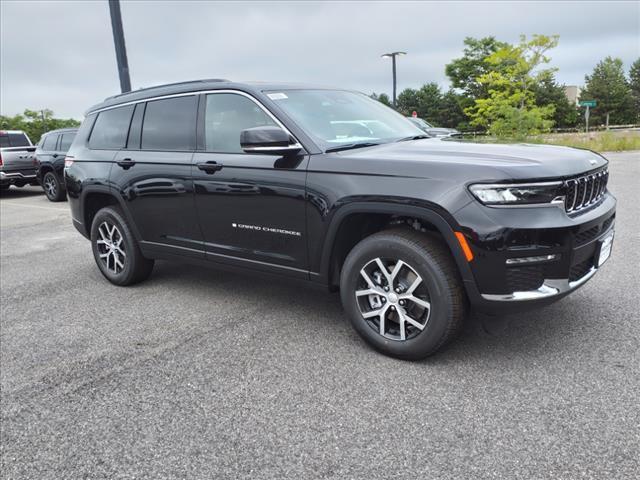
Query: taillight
x,y
0,159
68,161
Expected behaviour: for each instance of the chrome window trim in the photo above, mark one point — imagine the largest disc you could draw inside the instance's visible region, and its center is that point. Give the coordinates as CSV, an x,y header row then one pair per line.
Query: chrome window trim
x,y
205,92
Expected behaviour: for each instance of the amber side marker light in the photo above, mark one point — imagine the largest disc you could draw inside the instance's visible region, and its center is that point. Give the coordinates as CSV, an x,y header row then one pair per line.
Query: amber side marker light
x,y
465,246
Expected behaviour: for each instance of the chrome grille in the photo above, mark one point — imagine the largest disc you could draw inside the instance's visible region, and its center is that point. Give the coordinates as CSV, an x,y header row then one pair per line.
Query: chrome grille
x,y
585,190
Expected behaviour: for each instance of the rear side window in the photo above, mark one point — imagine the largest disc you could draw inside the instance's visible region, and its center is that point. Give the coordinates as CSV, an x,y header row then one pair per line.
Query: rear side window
x,y
111,128
170,124
65,141
4,141
49,143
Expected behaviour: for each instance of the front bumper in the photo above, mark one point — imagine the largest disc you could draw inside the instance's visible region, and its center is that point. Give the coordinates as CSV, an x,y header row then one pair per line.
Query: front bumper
x,y
567,248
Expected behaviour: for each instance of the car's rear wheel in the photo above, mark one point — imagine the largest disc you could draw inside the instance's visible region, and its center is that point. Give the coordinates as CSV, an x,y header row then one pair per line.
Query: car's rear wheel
x,y
52,187
116,250
403,294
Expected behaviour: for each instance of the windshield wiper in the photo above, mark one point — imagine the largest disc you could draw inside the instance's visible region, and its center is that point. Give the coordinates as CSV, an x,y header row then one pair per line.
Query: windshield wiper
x,y
349,146
414,137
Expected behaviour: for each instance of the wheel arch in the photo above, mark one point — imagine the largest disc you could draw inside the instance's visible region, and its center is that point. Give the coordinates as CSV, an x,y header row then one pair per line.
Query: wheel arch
x,y
335,249
95,199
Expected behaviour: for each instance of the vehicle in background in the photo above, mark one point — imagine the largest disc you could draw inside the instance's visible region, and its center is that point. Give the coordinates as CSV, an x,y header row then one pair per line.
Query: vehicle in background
x,y
431,130
17,161
50,152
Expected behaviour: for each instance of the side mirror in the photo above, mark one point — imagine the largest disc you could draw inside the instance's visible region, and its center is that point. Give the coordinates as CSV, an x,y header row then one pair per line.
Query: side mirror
x,y
268,140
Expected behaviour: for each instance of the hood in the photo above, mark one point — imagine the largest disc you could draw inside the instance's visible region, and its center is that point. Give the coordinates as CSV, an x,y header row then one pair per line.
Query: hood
x,y
436,157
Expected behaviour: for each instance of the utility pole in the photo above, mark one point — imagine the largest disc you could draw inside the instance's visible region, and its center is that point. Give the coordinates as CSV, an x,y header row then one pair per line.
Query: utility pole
x,y
44,128
121,50
393,56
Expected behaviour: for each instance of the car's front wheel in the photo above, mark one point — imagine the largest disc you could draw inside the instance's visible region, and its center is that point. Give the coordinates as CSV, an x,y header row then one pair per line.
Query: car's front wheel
x,y
53,188
116,250
403,294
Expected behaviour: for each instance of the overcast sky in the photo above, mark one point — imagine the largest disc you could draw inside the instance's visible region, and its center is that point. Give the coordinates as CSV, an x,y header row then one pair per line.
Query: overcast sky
x,y
60,55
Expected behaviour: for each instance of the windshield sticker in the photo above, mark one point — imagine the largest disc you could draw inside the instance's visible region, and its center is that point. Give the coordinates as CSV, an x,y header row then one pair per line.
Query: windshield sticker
x,y
277,96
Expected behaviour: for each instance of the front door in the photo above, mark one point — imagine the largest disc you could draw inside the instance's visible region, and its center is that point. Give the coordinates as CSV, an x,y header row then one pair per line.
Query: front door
x,y
251,207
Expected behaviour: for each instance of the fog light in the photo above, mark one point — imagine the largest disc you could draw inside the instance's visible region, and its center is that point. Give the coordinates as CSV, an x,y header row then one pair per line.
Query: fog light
x,y
540,258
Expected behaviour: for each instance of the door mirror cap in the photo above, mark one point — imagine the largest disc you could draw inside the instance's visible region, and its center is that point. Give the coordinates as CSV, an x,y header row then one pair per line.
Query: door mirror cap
x,y
268,140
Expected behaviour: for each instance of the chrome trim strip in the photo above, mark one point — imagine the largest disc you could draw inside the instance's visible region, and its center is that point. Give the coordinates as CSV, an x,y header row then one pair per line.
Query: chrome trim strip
x,y
549,288
292,147
200,92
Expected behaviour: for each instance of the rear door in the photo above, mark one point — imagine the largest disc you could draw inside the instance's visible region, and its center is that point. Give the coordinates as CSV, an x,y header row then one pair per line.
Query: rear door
x,y
153,175
251,209
48,148
64,142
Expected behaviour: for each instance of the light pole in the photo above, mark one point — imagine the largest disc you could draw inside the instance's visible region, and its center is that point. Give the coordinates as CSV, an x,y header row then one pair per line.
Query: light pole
x,y
121,50
393,56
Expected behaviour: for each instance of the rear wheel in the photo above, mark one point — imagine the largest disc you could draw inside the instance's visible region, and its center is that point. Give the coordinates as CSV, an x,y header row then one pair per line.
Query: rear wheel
x,y
116,250
403,294
52,187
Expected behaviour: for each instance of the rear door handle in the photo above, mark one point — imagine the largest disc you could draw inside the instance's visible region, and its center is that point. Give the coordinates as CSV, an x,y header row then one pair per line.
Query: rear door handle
x,y
55,155
126,163
210,167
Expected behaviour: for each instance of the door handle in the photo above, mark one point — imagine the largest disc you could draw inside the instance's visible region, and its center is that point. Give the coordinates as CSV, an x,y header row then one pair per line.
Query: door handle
x,y
210,167
126,163
55,155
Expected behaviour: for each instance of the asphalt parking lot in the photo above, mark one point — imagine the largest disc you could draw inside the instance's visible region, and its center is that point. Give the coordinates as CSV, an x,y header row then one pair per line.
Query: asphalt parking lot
x,y
198,373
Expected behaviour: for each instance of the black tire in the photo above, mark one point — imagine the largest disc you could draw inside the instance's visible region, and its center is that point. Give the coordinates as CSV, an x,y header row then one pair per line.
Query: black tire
x,y
425,256
53,187
135,267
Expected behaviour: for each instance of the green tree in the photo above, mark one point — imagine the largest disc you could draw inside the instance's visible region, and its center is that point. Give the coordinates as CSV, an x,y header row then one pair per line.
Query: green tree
x,y
510,108
634,84
465,71
548,92
437,108
382,98
609,87
35,123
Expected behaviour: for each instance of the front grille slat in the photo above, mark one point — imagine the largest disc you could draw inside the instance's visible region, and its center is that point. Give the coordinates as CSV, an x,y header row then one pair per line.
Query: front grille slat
x,y
585,190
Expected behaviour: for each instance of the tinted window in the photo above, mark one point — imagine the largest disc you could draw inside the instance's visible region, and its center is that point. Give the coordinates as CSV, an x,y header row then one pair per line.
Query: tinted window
x,y
227,114
111,127
170,124
49,143
66,141
18,140
4,141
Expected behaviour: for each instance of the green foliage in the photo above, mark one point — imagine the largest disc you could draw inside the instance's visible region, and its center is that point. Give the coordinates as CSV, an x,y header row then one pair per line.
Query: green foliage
x,y
464,72
382,98
634,85
33,123
442,110
513,73
609,87
549,92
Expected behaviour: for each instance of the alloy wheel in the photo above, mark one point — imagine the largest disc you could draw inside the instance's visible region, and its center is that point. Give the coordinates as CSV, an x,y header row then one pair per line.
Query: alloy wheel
x,y
393,299
50,186
111,248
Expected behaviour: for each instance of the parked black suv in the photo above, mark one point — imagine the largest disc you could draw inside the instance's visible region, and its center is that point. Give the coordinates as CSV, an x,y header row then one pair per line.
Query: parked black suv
x,y
50,153
332,187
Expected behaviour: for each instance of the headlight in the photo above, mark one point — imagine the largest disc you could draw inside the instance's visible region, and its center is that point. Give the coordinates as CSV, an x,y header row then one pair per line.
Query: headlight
x,y
518,194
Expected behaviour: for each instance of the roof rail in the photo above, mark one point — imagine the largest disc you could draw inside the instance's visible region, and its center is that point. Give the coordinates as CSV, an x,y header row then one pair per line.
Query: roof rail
x,y
167,85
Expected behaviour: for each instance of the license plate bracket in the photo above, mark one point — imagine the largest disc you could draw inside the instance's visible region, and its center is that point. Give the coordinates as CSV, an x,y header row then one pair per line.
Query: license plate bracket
x,y
604,249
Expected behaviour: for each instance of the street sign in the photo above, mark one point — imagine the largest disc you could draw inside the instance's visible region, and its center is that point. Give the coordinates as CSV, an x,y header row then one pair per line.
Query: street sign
x,y
588,103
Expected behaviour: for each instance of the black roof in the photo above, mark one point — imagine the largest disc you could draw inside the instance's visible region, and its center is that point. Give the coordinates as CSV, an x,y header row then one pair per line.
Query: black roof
x,y
194,86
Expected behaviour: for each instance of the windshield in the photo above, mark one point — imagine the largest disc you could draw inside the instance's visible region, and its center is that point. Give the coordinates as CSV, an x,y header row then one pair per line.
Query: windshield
x,y
337,117
420,122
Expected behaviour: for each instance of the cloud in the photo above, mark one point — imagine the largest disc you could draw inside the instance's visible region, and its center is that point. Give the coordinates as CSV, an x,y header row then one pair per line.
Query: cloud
x,y
60,55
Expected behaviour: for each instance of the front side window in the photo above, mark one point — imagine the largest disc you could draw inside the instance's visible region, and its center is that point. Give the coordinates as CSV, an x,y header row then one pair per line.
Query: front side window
x,y
66,141
49,143
110,129
170,124
226,115
337,117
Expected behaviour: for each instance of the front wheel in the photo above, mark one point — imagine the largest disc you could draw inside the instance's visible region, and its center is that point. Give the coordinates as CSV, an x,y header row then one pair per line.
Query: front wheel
x,y
52,187
116,250
403,294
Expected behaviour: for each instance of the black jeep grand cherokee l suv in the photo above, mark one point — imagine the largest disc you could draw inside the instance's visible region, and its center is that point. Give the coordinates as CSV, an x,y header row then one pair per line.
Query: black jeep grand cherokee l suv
x,y
332,187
